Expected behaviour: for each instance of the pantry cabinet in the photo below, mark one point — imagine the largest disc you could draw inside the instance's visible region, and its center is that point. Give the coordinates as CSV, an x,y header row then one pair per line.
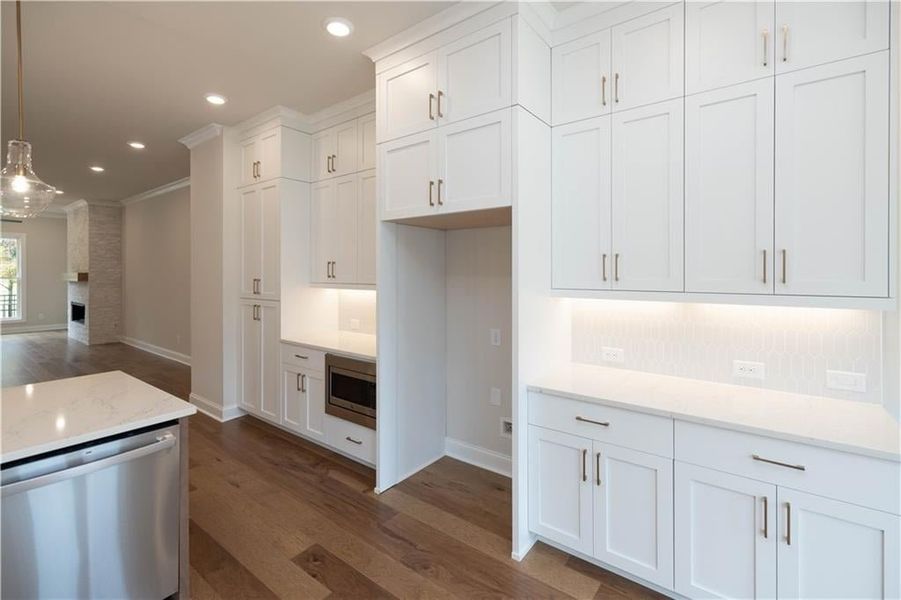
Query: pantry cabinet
x,y
303,401
832,175
729,148
260,239
258,358
728,43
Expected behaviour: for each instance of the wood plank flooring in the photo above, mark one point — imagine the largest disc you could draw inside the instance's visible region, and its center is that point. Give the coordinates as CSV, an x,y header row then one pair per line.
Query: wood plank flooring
x,y
275,516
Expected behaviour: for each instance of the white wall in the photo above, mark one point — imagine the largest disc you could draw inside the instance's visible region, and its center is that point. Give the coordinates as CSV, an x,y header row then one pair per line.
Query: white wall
x,y
478,299
156,281
45,262
356,311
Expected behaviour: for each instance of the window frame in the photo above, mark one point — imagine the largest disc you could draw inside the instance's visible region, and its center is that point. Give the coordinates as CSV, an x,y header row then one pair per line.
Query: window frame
x,y
20,240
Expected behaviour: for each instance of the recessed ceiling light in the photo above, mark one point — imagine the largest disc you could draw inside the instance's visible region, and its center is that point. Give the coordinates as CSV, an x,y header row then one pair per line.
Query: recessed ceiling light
x,y
339,27
136,145
216,99
59,191
97,169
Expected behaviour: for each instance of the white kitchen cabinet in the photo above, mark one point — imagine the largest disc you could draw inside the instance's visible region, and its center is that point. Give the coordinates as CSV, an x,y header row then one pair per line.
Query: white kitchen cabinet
x,y
260,239
474,74
335,151
276,152
258,359
581,205
333,236
560,488
409,172
725,534
633,512
729,148
582,78
727,43
303,401
405,98
813,33
832,549
648,198
648,58
367,218
366,142
832,174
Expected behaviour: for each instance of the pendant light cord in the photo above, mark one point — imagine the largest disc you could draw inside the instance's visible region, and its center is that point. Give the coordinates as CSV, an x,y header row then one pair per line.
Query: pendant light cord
x,y
19,57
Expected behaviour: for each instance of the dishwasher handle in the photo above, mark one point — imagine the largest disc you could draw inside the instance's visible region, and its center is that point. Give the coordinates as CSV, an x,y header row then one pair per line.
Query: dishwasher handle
x,y
163,442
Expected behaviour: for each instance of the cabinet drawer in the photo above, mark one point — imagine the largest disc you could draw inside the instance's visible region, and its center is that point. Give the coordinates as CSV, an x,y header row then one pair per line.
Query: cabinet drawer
x,y
849,477
638,431
350,438
301,356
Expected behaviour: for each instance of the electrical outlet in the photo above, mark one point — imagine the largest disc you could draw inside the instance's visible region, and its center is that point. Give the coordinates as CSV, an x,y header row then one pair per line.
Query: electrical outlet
x,y
495,337
613,355
747,369
506,427
846,381
355,324
495,397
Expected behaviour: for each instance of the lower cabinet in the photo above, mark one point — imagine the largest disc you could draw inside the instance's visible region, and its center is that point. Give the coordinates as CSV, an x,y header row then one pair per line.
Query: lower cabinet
x,y
609,502
303,401
258,358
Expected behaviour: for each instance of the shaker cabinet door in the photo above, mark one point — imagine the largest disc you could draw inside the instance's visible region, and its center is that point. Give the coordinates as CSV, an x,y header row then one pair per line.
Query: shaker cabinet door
x,y
582,78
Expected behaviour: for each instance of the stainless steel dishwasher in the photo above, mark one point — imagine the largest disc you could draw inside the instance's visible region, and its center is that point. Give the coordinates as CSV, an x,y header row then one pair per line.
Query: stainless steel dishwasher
x,y
100,520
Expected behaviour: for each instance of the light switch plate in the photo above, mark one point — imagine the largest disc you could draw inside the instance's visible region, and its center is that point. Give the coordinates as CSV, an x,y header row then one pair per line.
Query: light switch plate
x,y
846,381
613,355
495,337
747,369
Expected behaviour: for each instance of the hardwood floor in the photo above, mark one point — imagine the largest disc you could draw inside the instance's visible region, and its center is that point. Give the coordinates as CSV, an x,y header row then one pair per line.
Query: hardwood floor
x,y
275,516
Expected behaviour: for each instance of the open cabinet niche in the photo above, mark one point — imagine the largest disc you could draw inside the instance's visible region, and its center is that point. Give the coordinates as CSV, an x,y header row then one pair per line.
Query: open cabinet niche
x,y
442,292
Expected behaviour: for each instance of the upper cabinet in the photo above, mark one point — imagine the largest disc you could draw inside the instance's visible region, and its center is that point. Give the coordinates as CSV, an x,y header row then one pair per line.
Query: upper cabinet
x,y
260,235
582,85
366,142
465,78
341,150
728,43
814,33
277,152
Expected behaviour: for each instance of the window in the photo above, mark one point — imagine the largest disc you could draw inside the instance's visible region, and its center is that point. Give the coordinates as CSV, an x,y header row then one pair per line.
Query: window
x,y
12,263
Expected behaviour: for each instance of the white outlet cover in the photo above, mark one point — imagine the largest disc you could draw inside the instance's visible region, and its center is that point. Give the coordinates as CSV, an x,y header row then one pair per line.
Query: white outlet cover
x,y
495,337
495,397
846,381
613,355
747,369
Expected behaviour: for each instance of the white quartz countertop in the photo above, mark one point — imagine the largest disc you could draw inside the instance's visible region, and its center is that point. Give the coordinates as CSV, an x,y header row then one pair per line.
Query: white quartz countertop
x,y
42,417
858,427
346,343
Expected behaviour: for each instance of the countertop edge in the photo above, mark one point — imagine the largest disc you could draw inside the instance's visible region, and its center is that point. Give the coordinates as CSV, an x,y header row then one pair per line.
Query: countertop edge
x,y
332,349
59,444
723,424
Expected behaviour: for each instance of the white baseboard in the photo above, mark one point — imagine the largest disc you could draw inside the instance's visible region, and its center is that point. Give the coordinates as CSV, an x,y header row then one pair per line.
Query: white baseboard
x,y
33,328
524,548
213,410
478,456
158,350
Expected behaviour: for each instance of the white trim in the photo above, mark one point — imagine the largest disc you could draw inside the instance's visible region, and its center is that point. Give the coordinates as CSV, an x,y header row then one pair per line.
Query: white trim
x,y
273,117
346,110
22,267
10,329
199,136
53,211
478,456
519,554
75,205
158,350
213,410
158,191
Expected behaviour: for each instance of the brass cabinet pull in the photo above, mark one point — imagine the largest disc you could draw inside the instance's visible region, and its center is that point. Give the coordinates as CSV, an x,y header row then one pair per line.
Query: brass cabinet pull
x,y
584,466
303,383
616,88
256,286
334,163
334,267
256,312
259,169
597,468
357,442
593,422
616,267
298,382
301,356
604,266
764,265
785,43
431,114
784,275
769,461
766,37
431,187
328,163
788,523
440,201
440,114
766,518
603,90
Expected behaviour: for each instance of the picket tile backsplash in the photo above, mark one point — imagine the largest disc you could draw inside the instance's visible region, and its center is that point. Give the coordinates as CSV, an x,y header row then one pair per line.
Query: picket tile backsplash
x,y
701,341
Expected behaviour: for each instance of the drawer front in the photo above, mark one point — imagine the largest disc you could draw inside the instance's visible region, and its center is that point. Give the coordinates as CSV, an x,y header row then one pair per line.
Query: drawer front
x,y
350,438
848,477
301,356
647,433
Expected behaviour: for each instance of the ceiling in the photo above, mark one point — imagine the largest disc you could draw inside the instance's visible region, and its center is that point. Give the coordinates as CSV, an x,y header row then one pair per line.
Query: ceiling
x,y
99,74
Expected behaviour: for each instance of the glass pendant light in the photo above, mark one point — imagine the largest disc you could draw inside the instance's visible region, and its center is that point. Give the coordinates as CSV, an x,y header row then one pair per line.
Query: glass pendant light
x,y
22,193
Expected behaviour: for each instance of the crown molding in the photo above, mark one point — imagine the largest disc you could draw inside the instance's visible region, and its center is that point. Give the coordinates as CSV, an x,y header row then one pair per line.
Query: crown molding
x,y
75,205
205,133
158,191
359,105
277,115
53,211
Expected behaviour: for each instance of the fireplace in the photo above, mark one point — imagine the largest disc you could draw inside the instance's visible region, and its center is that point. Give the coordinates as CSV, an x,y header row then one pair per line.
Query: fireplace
x,y
77,312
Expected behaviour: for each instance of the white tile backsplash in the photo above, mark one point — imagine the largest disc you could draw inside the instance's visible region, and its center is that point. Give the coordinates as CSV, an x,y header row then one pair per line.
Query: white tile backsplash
x,y
700,341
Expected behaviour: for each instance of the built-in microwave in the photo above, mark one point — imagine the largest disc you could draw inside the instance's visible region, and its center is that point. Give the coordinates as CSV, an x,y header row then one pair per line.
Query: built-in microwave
x,y
350,389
